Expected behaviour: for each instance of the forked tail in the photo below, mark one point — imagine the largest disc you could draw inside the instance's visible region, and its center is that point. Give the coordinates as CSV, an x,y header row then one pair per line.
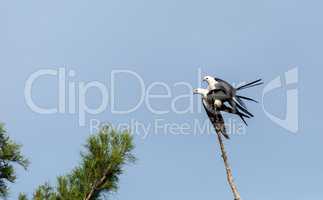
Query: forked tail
x,y
251,84
239,98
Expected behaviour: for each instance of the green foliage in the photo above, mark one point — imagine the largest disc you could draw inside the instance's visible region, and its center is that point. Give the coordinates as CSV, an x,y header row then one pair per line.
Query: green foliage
x,y
104,156
22,196
44,192
10,154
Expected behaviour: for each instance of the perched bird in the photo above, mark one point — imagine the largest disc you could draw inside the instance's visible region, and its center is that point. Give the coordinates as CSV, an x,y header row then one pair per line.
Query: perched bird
x,y
213,105
229,92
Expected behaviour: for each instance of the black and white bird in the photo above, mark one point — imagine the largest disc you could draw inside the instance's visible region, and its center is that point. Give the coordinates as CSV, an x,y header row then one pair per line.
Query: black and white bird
x,y
213,104
230,93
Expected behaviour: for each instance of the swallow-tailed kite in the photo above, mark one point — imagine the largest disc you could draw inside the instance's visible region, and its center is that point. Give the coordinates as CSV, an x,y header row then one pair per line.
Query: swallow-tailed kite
x,y
229,92
213,105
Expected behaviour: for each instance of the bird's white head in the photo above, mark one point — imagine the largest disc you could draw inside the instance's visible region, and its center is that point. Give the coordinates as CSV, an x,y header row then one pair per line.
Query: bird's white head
x,y
210,81
201,91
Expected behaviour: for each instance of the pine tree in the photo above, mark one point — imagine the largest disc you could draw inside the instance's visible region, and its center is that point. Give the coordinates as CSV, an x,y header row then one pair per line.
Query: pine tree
x,y
98,174
10,155
22,196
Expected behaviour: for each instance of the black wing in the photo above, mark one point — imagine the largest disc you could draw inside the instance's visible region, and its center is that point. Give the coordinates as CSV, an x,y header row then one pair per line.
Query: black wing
x,y
224,82
219,93
216,119
230,90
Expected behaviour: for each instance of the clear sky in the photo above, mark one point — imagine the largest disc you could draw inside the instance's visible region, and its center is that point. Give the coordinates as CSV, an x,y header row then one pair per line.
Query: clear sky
x,y
168,41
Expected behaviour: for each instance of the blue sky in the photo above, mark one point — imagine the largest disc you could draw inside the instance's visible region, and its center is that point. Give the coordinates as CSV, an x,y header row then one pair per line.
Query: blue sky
x,y
168,41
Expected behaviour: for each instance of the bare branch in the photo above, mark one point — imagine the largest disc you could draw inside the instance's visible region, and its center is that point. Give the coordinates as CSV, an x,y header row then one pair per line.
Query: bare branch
x,y
228,169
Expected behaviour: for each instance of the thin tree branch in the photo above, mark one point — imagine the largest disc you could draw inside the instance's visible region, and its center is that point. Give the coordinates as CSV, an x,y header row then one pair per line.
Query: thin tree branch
x,y
228,169
96,186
